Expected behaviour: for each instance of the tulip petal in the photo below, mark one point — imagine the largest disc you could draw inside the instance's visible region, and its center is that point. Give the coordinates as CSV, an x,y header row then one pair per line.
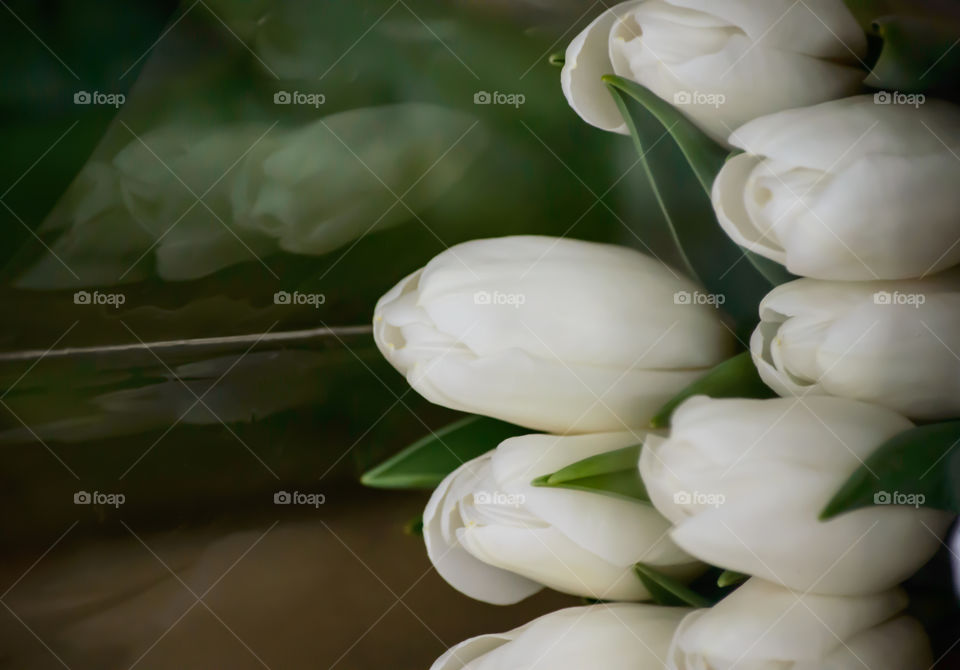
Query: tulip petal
x,y
457,566
587,60
763,623
729,193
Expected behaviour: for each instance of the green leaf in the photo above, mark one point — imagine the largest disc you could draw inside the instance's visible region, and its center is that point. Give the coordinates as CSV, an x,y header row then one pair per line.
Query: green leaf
x,y
557,58
736,377
614,473
704,155
667,590
427,461
918,466
729,578
685,170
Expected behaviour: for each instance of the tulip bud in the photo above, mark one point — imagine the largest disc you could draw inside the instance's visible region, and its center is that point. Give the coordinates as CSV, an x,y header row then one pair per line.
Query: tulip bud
x,y
763,626
889,343
307,189
721,63
744,482
855,189
553,334
496,538
612,636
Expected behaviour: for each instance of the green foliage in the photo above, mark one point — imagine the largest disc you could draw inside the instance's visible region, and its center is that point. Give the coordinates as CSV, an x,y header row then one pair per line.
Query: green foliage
x,y
427,461
614,473
918,466
736,377
681,171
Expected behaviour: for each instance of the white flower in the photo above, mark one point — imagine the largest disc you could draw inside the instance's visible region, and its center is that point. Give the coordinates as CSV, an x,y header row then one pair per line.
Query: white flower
x,y
744,482
615,636
496,538
334,180
762,626
848,189
890,343
722,63
184,201
553,334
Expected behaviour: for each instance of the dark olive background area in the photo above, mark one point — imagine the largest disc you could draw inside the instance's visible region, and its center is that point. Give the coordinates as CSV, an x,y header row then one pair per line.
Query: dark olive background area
x,y
320,590
92,586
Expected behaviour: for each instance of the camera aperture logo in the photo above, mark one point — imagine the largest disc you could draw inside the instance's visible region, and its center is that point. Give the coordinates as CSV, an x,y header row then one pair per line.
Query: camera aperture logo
x,y
514,300
299,98
298,298
898,298
699,98
98,298
98,98
698,498
715,300
898,498
98,498
498,98
299,498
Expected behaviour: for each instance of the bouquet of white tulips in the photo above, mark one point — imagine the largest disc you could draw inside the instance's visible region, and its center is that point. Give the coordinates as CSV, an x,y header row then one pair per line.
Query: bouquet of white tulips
x,y
710,523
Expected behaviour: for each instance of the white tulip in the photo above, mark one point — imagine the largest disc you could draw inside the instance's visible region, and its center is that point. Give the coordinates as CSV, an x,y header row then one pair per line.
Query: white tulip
x,y
763,626
849,189
890,343
553,334
744,482
496,538
614,636
306,189
722,62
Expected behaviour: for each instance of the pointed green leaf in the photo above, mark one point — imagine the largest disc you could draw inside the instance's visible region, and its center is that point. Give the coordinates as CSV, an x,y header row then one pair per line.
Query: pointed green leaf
x,y
918,466
426,462
614,473
686,163
667,590
729,578
736,377
704,155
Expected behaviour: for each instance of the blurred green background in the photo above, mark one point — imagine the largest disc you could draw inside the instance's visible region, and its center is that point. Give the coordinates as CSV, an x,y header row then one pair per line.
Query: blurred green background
x,y
197,199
